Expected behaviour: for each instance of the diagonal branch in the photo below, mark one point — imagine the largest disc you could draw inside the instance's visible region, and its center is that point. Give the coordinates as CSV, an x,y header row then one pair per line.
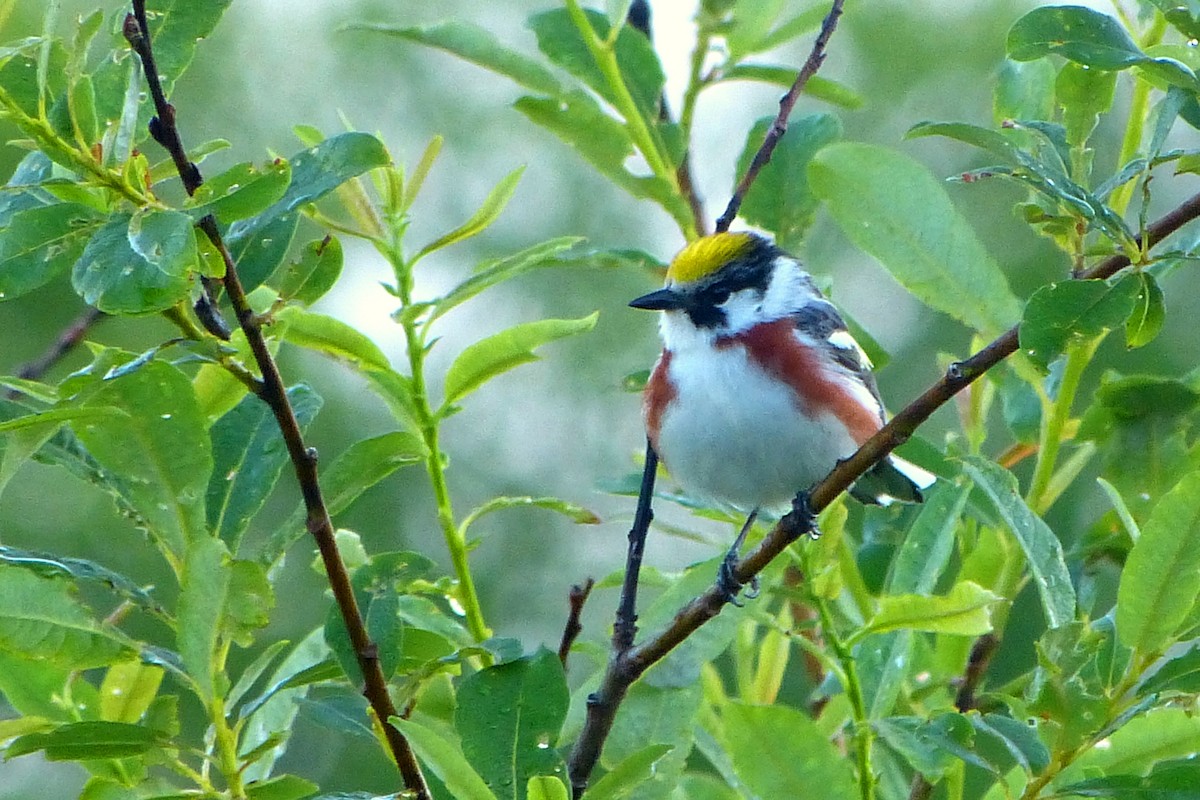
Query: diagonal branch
x,y
274,394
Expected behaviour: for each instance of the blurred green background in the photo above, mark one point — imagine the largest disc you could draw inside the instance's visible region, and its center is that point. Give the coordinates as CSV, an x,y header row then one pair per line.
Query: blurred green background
x,y
563,426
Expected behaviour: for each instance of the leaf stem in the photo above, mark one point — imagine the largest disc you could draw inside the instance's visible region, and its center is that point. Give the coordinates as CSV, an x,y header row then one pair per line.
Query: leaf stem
x,y
1139,104
1079,355
428,420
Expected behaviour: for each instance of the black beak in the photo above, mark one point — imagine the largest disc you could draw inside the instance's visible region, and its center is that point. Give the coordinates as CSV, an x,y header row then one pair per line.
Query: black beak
x,y
661,300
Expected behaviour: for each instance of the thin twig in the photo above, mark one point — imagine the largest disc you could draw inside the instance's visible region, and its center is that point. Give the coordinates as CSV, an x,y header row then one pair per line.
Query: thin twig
x,y
779,126
577,599
626,667
274,393
67,341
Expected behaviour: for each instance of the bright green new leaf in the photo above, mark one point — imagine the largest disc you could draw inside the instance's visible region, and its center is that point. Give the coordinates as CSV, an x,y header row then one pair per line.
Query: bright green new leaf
x,y
780,199
505,350
477,45
158,447
634,771
1084,94
127,690
799,754
55,416
86,741
248,457
491,273
1043,551
40,619
204,587
487,213
330,336
1161,579
248,602
241,191
544,787
892,208
138,264
311,277
445,760
508,719
1060,314
1158,735
39,243
576,513
964,611
1024,91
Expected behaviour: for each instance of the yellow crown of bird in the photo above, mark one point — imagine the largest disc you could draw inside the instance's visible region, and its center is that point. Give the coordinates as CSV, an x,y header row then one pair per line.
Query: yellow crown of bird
x,y
707,255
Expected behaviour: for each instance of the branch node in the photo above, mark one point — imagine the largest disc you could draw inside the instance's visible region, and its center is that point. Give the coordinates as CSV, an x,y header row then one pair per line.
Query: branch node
x,y
132,32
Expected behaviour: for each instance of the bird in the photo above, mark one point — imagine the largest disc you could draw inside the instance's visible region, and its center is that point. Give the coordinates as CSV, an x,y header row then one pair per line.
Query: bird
x,y
760,389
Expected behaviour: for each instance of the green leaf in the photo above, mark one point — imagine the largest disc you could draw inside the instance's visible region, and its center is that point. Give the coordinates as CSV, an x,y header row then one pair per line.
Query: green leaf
x,y
1185,17
241,191
487,213
248,602
503,351
282,787
655,715
1158,735
892,208
799,754
561,41
1076,33
884,660
248,457
331,337
39,243
86,741
576,513
204,587
127,690
362,465
445,760
508,719
1179,674
1176,780
600,140
81,570
964,611
491,273
1024,91
260,252
316,172
138,264
1067,312
275,710
159,449
1084,94
55,416
817,87
41,620
544,787
477,45
1149,312
1018,738
1043,551
1161,579
311,277
633,771
780,199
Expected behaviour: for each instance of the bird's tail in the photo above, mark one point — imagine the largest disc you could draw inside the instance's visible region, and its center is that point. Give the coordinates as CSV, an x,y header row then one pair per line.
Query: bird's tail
x,y
891,480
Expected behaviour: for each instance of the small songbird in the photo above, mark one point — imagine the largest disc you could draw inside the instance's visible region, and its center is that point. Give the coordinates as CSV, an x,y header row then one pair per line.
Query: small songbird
x,y
760,389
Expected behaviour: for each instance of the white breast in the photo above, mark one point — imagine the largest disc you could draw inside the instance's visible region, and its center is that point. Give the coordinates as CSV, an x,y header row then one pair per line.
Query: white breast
x,y
735,435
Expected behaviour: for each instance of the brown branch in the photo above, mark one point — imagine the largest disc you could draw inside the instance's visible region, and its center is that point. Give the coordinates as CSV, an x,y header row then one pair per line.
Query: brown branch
x,y
577,598
627,666
779,126
67,341
274,394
